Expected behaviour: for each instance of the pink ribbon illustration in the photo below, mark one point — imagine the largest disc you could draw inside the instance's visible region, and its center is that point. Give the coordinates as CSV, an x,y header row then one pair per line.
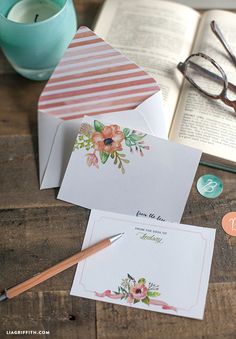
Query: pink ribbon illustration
x,y
160,303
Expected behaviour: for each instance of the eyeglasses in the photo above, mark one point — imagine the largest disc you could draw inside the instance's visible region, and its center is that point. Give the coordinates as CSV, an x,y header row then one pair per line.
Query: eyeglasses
x,y
206,75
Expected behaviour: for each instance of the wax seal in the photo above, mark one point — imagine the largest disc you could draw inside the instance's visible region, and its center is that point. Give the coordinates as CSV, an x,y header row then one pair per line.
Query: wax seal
x,y
209,186
229,223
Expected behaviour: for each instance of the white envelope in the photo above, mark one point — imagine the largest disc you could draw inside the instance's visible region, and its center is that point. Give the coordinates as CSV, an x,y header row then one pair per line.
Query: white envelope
x,y
96,80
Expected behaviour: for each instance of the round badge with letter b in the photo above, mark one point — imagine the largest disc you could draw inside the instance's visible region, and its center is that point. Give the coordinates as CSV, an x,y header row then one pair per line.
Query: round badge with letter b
x,y
209,186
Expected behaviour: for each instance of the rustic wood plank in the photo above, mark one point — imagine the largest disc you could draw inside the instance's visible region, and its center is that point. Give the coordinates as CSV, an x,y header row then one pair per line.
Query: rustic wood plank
x,y
18,97
31,241
56,311
115,322
37,231
35,239
87,11
5,67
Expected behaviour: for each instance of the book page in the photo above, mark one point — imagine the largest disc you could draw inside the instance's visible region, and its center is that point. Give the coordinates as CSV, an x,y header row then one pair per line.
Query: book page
x,y
154,34
201,122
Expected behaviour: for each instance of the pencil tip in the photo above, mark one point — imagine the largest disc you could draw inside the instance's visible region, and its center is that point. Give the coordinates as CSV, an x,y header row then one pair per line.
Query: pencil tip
x,y
3,297
116,237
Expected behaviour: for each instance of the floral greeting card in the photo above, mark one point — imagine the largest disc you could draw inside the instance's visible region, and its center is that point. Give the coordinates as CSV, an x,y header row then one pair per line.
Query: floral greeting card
x,y
156,266
121,170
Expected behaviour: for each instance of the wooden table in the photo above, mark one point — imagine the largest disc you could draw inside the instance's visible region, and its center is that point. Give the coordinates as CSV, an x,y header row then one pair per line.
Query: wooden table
x,y
37,230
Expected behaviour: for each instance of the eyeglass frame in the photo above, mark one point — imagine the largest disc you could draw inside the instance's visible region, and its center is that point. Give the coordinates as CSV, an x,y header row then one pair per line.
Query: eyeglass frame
x,y
182,67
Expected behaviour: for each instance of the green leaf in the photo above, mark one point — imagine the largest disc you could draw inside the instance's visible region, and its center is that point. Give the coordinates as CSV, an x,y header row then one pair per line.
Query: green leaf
x,y
126,161
126,131
135,137
112,155
123,290
136,301
98,126
153,294
104,156
129,276
142,281
146,301
128,142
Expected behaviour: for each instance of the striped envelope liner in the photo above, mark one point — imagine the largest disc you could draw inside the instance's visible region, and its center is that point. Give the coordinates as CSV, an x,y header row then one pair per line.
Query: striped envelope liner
x,y
93,78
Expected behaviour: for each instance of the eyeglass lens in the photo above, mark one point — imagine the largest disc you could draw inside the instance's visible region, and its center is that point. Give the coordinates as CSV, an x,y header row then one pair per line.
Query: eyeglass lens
x,y
204,75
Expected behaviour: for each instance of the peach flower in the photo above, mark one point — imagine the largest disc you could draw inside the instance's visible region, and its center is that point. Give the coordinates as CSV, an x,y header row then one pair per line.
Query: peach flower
x,y
108,140
139,291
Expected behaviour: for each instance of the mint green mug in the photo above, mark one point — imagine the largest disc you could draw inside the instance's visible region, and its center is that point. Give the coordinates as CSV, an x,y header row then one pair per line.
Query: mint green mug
x,y
34,34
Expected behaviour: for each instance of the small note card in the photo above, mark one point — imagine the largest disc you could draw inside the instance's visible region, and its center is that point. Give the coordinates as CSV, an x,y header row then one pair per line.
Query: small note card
x,y
121,170
156,266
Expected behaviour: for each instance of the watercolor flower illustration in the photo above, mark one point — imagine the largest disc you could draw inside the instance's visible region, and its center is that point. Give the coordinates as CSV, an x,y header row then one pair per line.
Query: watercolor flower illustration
x,y
109,139
107,142
137,291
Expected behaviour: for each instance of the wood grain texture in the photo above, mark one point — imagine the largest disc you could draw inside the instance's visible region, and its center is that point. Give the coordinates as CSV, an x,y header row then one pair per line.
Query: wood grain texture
x,y
32,240
37,231
18,97
19,174
53,311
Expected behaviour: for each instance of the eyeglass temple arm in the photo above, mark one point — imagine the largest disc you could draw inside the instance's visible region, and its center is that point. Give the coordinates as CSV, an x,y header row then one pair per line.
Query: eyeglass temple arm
x,y
216,30
206,72
231,103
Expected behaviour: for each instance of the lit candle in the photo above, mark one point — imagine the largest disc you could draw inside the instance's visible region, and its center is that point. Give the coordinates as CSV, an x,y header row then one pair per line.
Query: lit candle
x,y
34,34
30,11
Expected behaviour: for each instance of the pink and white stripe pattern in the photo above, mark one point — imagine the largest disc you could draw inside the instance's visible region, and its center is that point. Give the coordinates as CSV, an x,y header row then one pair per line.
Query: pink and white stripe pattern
x,y
93,78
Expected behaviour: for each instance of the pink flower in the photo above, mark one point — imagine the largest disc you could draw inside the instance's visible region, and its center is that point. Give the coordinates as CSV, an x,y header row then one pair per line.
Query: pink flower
x,y
92,160
108,140
139,291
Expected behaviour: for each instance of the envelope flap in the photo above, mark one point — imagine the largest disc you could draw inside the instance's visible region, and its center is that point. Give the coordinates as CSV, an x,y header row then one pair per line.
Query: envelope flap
x,y
47,130
93,78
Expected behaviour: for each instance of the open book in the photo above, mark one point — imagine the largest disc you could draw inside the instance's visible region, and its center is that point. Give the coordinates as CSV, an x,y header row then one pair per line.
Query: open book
x,y
157,35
